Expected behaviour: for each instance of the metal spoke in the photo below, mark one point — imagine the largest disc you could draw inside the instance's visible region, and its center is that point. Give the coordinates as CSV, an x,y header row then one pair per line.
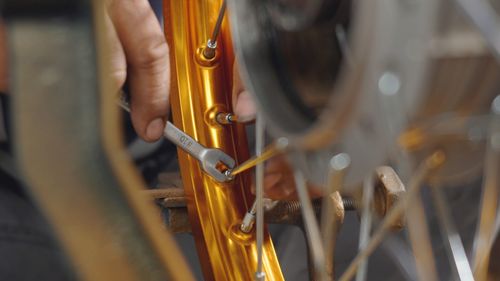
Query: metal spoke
x,y
312,228
414,187
209,51
338,167
483,15
259,187
420,239
344,45
366,223
489,200
454,246
277,147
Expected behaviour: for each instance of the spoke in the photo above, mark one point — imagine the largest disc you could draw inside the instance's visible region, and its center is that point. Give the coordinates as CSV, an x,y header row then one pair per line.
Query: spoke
x,y
218,24
489,201
397,211
338,167
483,15
312,228
277,147
497,227
344,45
402,256
259,186
454,247
209,51
420,240
366,223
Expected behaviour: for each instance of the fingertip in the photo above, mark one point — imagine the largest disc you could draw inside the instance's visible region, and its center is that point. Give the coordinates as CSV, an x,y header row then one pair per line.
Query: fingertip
x,y
245,107
148,115
252,189
154,129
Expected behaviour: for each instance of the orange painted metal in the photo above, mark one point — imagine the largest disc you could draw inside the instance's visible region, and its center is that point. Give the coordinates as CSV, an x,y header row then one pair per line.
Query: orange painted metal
x,y
200,89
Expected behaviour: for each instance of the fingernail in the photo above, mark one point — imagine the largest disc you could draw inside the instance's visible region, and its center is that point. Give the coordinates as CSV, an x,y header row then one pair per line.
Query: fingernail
x,y
245,107
155,129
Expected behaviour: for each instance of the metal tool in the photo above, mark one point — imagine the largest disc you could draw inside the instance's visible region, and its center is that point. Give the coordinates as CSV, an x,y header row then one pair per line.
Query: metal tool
x,y
249,219
277,147
209,51
213,161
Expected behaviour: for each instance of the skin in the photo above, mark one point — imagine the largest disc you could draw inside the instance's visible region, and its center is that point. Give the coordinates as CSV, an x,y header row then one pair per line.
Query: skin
x,y
139,53
279,182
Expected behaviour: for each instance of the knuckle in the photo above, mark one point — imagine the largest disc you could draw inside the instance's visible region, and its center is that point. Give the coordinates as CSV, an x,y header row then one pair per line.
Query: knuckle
x,y
153,54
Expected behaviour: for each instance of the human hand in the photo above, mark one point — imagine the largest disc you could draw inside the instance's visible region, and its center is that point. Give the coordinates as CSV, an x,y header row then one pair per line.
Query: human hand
x,y
140,53
279,181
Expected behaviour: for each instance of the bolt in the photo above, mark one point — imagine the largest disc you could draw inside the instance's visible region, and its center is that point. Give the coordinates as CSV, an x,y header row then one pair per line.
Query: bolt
x,y
349,204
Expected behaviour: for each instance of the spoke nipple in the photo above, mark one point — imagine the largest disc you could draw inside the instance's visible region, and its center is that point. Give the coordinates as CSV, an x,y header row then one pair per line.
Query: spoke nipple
x,y
210,49
228,174
260,276
211,44
247,223
225,118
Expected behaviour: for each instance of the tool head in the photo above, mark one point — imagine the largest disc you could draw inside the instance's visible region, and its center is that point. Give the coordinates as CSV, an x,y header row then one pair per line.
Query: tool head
x,y
215,162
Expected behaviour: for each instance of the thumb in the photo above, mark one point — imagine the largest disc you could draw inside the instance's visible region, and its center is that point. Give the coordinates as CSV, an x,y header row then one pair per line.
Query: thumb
x,y
243,103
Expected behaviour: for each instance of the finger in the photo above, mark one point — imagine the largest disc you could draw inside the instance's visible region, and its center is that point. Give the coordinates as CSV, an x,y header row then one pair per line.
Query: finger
x,y
243,104
281,191
115,58
148,64
269,181
285,189
278,164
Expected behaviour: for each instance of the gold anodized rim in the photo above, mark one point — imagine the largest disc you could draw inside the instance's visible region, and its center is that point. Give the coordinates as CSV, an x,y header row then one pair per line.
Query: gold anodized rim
x,y
200,88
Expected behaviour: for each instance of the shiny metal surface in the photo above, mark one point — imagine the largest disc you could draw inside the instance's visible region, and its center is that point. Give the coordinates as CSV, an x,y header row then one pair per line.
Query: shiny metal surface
x,y
259,195
485,232
209,51
332,203
249,220
454,245
200,90
482,14
407,78
416,77
353,120
431,163
277,147
312,230
213,161
366,224
418,230
209,158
